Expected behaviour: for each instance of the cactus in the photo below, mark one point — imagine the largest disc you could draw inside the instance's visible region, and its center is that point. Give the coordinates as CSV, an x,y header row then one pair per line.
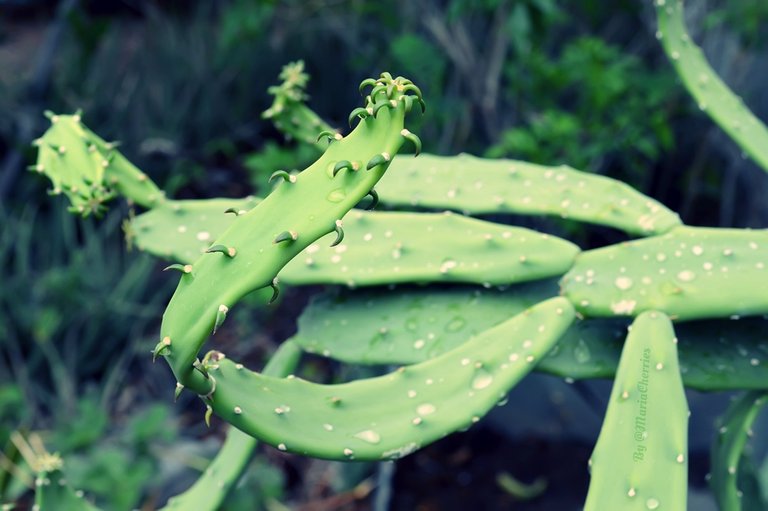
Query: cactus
x,y
226,248
88,170
688,273
412,407
728,454
641,457
52,493
710,93
411,325
250,253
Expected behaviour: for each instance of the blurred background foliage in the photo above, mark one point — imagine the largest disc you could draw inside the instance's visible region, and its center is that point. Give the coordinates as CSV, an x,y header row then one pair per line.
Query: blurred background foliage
x,y
182,85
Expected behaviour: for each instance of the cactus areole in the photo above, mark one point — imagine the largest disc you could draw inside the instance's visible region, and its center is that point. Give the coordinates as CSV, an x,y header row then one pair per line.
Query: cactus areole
x,y
256,246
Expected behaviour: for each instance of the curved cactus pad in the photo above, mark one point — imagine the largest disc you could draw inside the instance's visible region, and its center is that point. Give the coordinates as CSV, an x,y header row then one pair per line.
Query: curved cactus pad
x,y
250,253
411,325
640,461
390,416
688,273
728,454
210,490
479,185
710,92
88,170
395,247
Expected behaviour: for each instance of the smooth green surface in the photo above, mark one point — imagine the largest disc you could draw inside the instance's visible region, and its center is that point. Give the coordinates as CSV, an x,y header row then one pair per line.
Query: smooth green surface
x,y
710,93
391,247
482,186
408,325
392,415
728,453
250,253
210,490
640,461
688,273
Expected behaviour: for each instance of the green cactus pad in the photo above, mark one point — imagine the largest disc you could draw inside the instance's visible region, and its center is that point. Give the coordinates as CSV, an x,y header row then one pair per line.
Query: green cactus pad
x,y
411,325
183,230
688,273
711,94
210,490
52,493
640,461
88,170
408,325
392,247
246,257
390,416
479,185
728,454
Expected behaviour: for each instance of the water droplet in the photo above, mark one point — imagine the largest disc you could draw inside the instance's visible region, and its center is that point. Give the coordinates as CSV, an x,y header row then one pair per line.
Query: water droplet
x,y
369,436
482,380
455,324
581,352
337,195
425,409
652,503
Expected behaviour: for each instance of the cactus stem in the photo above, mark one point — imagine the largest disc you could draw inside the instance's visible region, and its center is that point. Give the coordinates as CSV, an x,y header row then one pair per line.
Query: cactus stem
x,y
339,233
286,236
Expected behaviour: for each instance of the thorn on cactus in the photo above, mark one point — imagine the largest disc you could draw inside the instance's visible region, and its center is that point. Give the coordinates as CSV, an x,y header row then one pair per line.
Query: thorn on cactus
x,y
177,391
275,290
339,233
330,135
227,251
285,176
233,211
286,236
375,196
341,165
379,106
221,315
184,268
357,112
208,414
162,349
379,159
368,82
413,139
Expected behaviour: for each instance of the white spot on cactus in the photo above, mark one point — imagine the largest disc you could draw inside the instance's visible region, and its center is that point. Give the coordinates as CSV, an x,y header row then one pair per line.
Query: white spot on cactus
x,y
182,229
369,436
697,250
482,380
348,452
680,458
425,409
419,344
203,236
238,410
652,503
623,283
686,275
282,447
623,307
328,427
